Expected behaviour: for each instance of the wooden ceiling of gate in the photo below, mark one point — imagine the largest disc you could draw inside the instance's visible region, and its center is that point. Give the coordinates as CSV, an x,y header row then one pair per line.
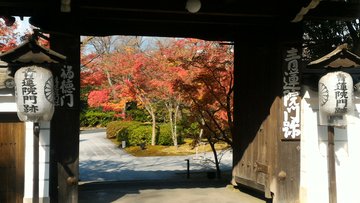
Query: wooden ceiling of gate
x,y
169,17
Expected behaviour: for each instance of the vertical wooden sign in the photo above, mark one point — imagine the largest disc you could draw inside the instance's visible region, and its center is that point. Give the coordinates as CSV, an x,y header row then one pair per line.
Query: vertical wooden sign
x,y
291,94
65,87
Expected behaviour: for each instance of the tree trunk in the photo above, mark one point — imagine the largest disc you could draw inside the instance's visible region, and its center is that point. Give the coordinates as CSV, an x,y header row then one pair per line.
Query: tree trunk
x,y
218,172
170,110
149,108
173,121
175,124
153,136
113,92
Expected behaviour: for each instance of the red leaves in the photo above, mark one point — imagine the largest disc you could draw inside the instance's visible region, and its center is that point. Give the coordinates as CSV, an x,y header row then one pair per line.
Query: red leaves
x,y
101,98
189,71
97,98
92,78
8,36
208,87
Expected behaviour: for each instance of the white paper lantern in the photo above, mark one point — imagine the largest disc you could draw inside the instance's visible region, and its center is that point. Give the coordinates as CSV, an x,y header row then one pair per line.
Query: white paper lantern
x,y
335,98
193,6
34,94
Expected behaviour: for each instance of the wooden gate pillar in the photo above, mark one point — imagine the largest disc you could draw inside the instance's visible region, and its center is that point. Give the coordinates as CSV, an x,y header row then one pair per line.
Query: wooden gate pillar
x,y
263,159
286,171
64,129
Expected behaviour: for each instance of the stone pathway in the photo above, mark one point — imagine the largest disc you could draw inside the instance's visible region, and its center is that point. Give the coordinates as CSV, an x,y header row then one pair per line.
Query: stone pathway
x,y
101,160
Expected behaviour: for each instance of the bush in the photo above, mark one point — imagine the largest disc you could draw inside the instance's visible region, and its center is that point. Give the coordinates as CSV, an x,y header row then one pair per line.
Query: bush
x,y
138,115
139,134
118,129
136,133
95,118
165,137
191,130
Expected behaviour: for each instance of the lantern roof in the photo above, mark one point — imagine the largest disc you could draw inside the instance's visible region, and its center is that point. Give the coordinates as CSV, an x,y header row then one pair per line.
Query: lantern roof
x,y
341,57
3,64
30,52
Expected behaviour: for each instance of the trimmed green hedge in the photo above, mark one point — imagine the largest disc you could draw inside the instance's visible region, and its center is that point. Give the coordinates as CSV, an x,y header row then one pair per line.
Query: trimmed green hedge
x,y
119,129
135,133
95,118
164,137
138,134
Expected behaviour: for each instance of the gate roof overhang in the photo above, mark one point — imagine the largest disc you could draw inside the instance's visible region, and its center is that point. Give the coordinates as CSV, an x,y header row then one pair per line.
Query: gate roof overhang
x,y
170,18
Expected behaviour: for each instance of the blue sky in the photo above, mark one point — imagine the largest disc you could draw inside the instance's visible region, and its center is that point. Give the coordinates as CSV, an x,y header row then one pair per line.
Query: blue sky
x,y
23,25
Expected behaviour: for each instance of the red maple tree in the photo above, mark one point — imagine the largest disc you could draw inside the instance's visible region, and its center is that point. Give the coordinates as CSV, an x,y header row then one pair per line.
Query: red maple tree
x,y
8,36
209,89
181,71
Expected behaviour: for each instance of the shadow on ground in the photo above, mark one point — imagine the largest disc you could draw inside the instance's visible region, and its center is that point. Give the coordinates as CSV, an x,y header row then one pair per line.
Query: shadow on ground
x,y
167,191
107,174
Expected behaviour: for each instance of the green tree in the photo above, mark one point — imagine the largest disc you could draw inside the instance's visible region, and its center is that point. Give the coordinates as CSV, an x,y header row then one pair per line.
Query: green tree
x,y
321,37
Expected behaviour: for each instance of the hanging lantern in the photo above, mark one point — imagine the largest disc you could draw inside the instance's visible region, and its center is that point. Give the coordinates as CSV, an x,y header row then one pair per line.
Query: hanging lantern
x,y
335,98
34,93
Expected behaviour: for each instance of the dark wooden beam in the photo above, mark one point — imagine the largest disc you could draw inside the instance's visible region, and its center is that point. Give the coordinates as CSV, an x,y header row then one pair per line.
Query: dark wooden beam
x,y
65,127
334,10
8,117
224,11
26,8
167,26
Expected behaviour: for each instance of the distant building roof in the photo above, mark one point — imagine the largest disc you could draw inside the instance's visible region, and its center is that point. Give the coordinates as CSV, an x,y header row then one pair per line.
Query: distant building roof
x,y
341,57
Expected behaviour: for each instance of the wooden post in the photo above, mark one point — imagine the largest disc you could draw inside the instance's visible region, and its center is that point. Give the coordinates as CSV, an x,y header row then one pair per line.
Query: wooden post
x,y
188,168
65,127
331,165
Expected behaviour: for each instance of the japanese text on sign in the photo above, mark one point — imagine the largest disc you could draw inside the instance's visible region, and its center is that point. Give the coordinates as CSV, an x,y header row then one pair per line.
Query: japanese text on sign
x,y
65,94
341,96
29,92
291,91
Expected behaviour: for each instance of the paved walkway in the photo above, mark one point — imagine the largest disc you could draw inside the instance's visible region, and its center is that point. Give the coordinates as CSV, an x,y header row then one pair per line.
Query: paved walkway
x,y
164,191
108,174
101,160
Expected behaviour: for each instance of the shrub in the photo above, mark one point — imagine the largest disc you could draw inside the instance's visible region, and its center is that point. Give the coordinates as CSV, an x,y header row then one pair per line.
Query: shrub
x,y
118,129
94,118
191,130
165,137
138,115
139,134
136,133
